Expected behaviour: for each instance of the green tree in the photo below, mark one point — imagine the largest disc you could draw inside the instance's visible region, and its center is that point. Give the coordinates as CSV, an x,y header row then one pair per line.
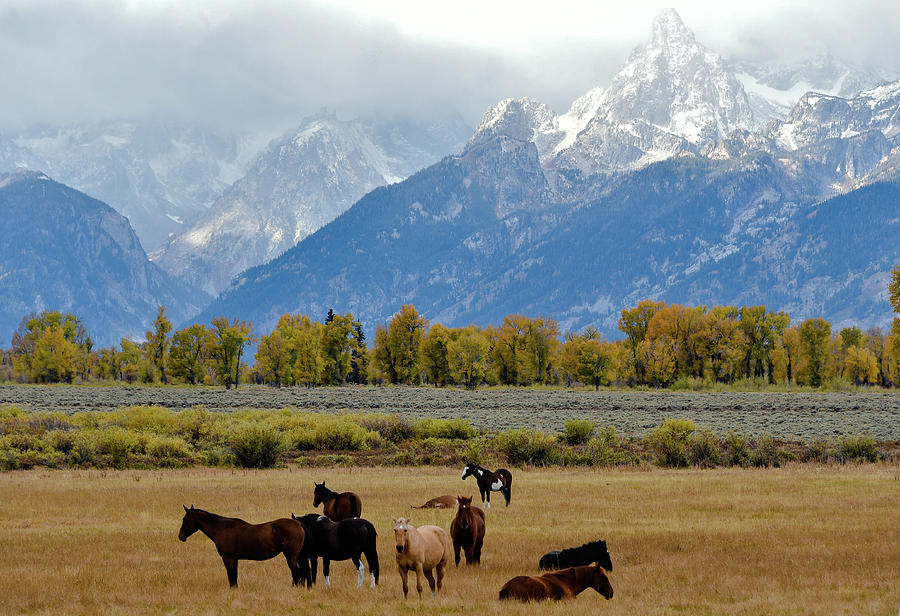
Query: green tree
x,y
595,362
230,339
271,359
130,362
435,361
46,347
398,346
541,345
467,356
359,356
634,324
894,289
815,336
157,346
189,353
337,348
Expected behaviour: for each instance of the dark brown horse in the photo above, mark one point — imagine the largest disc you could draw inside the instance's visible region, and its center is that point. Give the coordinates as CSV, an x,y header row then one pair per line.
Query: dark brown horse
x,y
237,540
337,506
467,531
563,584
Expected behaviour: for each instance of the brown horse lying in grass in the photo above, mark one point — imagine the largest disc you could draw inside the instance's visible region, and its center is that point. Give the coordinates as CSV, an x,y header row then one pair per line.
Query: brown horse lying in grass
x,y
421,550
444,501
467,531
563,584
238,540
336,506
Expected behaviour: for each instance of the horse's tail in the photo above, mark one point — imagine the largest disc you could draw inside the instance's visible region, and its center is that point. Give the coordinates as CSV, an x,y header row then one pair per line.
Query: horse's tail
x,y
356,507
504,593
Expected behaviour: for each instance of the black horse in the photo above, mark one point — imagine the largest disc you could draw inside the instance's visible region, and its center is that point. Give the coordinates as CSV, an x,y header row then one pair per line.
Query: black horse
x,y
347,539
593,552
497,481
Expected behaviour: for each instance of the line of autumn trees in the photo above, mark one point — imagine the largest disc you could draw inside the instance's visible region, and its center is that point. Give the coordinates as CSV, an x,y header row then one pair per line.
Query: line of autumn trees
x,y
664,343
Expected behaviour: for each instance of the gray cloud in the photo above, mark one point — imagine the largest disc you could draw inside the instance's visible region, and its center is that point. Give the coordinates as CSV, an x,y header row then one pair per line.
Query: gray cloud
x,y
266,64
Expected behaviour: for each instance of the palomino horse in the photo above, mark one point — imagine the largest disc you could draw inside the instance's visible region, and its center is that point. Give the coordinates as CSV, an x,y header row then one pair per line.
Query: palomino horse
x,y
563,584
439,502
237,540
593,552
347,539
421,550
488,481
337,506
467,531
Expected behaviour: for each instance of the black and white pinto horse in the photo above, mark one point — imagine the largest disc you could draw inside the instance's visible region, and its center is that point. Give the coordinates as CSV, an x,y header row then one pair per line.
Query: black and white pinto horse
x,y
589,553
488,481
347,539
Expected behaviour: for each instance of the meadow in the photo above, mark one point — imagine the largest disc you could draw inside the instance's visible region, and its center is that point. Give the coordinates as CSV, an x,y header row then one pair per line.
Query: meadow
x,y
801,539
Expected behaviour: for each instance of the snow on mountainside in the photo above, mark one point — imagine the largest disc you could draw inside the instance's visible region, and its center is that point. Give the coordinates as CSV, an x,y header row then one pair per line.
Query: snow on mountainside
x,y
158,175
298,184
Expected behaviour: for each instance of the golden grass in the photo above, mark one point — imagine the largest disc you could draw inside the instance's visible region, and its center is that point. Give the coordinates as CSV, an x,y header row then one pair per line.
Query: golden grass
x,y
797,540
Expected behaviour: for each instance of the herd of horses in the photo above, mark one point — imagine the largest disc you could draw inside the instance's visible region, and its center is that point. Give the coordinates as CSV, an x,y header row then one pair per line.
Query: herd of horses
x,y
340,533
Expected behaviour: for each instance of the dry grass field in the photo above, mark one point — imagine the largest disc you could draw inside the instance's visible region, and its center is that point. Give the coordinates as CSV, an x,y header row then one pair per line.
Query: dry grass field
x,y
796,540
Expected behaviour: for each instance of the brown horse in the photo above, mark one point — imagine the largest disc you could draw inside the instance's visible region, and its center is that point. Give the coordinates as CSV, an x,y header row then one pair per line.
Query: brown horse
x,y
237,540
439,502
467,531
337,506
563,584
421,550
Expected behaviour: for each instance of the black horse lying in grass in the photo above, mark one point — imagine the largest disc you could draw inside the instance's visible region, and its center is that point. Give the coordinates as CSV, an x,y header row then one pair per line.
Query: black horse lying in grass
x,y
347,539
593,552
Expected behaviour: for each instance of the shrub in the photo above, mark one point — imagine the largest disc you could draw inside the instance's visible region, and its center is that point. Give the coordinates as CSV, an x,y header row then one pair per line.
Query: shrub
x,y
670,441
60,440
169,451
578,431
144,418
765,453
402,458
473,451
704,449
737,449
119,445
39,423
392,428
330,433
606,449
330,459
858,448
820,450
12,418
256,446
524,446
457,428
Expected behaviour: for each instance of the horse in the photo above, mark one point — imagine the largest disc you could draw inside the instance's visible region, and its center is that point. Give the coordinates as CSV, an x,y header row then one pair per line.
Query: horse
x,y
236,540
563,584
499,480
337,506
593,552
438,502
467,531
421,549
347,539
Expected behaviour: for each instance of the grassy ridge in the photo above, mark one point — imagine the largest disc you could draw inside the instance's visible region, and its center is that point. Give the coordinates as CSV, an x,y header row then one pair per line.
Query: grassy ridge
x,y
800,540
156,437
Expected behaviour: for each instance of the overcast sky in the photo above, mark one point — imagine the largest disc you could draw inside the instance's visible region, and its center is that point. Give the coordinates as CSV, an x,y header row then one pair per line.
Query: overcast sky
x,y
264,64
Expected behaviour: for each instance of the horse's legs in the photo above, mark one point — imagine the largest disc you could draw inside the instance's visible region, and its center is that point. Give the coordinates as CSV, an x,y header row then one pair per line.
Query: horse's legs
x,y
313,569
477,551
456,547
326,570
430,577
293,565
488,494
419,574
372,558
507,493
440,573
360,570
231,570
404,573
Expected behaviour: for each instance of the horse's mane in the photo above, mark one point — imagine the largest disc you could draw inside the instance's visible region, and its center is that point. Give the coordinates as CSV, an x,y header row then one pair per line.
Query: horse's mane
x,y
587,546
215,515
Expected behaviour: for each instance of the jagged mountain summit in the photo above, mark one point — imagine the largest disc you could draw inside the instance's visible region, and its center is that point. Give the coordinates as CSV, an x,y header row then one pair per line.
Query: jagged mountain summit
x,y
63,250
299,183
161,176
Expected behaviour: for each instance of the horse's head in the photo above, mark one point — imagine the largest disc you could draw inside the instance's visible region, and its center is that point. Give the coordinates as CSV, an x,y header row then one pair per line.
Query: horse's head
x,y
468,470
319,493
600,554
600,581
401,534
307,520
188,524
464,512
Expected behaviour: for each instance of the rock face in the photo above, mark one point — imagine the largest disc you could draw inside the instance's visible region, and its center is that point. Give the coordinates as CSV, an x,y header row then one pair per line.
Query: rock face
x,y
160,176
665,185
299,183
62,250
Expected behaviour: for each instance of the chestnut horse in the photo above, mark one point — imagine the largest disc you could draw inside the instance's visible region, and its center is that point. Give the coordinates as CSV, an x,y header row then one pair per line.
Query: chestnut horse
x,y
421,550
337,506
488,481
563,584
444,501
237,540
467,531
